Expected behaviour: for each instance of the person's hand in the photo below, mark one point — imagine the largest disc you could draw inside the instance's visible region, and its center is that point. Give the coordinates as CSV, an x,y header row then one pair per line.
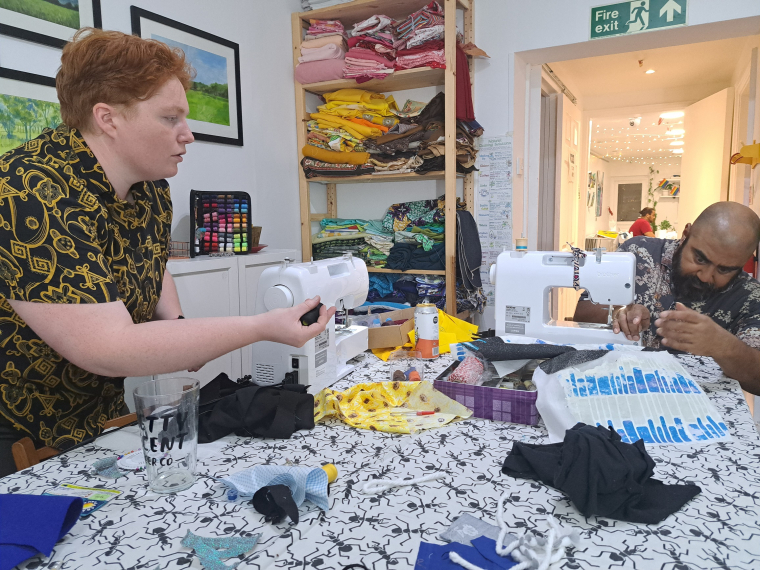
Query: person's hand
x,y
631,320
687,330
284,325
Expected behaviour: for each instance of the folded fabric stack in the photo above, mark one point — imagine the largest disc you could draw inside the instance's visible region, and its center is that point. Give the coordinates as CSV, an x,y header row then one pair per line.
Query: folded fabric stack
x,y
429,54
323,52
371,54
365,239
339,130
424,25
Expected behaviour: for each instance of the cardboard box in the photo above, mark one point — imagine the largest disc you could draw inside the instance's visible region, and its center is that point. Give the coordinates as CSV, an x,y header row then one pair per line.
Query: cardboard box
x,y
384,337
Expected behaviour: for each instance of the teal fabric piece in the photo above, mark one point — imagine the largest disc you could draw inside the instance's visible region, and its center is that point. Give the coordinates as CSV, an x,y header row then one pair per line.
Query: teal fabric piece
x,y
375,227
342,222
211,550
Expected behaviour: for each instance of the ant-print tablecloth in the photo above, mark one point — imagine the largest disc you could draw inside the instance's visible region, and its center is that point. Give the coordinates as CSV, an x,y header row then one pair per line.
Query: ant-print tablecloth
x,y
720,528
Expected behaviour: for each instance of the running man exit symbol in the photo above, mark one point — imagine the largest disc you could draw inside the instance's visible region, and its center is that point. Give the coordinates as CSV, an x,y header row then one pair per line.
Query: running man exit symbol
x,y
635,16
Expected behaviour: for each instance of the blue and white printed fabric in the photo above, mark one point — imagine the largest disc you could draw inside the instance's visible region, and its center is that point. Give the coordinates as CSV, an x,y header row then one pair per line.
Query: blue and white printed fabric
x,y
308,483
644,395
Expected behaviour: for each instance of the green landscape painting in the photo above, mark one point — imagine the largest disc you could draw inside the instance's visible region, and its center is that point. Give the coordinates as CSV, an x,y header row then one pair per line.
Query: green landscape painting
x,y
22,119
208,97
63,12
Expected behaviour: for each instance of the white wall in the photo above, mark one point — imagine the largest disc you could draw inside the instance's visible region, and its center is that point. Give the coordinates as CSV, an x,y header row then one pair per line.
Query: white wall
x,y
516,33
619,172
266,166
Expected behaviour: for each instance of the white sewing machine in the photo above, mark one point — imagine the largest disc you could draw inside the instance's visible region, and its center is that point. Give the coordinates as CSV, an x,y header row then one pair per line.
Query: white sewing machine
x,y
341,282
524,281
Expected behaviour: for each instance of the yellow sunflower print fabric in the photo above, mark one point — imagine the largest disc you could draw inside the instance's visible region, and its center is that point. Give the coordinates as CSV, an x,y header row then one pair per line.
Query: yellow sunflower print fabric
x,y
65,237
383,406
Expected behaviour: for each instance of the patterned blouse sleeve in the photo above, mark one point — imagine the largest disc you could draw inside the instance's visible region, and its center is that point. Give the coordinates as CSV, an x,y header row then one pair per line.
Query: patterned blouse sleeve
x,y
749,321
50,236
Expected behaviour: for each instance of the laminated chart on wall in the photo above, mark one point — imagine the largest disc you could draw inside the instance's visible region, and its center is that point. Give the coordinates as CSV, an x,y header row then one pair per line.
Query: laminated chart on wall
x,y
494,202
644,395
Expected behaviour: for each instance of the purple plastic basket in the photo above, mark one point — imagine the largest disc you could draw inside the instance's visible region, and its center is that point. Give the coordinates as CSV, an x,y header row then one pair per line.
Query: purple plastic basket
x,y
516,406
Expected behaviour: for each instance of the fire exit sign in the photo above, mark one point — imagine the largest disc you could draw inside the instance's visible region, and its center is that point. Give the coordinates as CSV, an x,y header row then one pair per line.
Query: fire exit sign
x,y
635,16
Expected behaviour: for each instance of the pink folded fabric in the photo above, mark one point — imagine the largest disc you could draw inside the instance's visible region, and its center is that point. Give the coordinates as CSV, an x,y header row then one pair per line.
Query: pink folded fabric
x,y
362,53
322,41
329,51
363,63
322,70
427,59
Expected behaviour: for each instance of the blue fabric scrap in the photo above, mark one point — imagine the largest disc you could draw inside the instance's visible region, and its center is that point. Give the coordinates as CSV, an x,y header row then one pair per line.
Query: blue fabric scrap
x,y
436,556
211,550
32,524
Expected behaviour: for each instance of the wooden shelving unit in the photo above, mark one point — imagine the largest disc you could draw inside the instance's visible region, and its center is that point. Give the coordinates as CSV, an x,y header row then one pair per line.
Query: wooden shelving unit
x,y
357,11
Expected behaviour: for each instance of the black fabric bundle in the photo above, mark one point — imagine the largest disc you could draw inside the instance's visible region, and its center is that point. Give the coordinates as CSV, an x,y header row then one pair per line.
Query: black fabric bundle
x,y
411,256
254,411
494,349
469,254
601,475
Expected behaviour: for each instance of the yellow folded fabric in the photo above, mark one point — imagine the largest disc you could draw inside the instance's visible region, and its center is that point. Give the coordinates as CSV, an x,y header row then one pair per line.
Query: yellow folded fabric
x,y
334,157
369,406
337,122
368,99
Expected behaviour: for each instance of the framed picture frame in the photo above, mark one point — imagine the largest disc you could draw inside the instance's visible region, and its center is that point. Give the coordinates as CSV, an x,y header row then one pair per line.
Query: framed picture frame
x,y
48,23
216,112
21,92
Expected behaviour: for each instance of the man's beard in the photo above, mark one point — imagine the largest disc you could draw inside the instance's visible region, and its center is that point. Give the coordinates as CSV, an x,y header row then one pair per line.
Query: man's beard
x,y
689,288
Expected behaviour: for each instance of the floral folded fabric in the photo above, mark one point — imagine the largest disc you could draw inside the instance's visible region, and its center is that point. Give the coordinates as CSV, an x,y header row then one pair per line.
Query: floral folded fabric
x,y
313,168
370,406
435,59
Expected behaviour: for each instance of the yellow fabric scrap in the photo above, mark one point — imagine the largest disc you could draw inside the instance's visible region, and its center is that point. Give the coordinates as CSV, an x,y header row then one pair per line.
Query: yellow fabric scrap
x,y
369,406
359,131
369,100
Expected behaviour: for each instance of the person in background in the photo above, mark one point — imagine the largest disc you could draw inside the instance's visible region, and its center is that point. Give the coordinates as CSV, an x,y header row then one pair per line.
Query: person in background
x,y
692,294
85,298
643,226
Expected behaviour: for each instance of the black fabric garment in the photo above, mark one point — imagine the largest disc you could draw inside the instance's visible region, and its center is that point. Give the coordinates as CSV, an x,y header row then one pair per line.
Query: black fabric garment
x,y
568,359
248,410
8,436
469,253
409,256
601,475
494,349
438,163
275,502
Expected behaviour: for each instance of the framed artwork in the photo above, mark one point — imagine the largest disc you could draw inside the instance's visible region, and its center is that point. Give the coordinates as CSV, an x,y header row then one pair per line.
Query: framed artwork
x,y
28,105
571,169
48,22
216,113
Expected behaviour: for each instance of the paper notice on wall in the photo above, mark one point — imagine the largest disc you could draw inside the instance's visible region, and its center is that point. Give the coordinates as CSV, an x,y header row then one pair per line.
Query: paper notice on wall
x,y
494,202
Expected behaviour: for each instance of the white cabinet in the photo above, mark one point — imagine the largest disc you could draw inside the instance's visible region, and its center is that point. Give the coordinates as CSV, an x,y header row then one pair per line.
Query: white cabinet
x,y
217,287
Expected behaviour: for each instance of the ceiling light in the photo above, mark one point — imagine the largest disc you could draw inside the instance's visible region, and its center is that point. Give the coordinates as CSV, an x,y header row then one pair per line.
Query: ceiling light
x,y
672,115
649,71
675,132
677,151
676,143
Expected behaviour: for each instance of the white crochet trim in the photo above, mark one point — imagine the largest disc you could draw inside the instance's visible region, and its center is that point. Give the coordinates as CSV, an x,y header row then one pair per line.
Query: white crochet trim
x,y
376,486
456,559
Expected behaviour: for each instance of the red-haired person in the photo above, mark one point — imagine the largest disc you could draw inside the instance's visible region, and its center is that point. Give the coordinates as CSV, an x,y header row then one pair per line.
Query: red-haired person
x,y
85,222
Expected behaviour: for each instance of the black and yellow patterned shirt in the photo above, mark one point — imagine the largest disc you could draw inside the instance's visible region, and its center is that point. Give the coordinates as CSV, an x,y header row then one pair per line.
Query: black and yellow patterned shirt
x,y
65,237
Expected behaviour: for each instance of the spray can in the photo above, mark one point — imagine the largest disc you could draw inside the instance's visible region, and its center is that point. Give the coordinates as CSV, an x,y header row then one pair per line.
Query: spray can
x,y
426,329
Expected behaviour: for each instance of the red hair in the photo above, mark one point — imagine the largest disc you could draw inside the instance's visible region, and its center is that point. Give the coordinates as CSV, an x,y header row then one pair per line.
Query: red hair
x,y
100,66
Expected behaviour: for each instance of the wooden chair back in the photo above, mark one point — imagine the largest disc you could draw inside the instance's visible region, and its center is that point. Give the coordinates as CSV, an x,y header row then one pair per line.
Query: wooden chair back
x,y
25,455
